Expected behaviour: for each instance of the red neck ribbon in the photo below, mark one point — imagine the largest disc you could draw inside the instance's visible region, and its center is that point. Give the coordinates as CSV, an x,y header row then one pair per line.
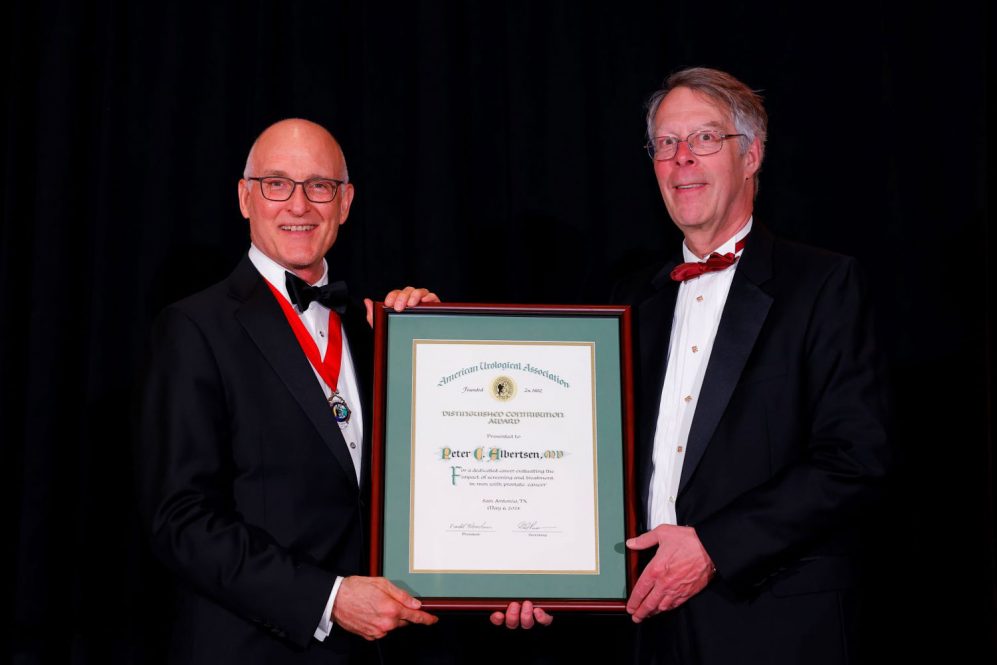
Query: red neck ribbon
x,y
714,262
328,367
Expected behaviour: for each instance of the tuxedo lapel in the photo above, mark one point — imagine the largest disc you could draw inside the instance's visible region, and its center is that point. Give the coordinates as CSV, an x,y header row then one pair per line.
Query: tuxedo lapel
x,y
263,319
654,328
358,333
360,338
743,316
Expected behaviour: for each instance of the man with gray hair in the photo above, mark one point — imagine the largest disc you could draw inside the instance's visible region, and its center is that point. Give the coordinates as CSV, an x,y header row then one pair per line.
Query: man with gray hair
x,y
761,428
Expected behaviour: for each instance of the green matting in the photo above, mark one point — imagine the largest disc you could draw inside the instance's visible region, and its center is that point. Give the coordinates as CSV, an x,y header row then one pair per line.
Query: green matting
x,y
604,331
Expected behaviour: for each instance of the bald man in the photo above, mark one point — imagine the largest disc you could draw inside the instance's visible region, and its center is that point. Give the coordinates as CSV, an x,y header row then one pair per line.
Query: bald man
x,y
254,445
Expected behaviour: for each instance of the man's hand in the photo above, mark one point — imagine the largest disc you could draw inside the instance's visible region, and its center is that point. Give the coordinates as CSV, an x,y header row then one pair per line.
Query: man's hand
x,y
679,570
372,606
524,615
400,299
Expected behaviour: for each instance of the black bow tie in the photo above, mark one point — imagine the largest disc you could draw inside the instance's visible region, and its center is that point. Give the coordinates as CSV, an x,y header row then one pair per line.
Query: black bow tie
x,y
332,295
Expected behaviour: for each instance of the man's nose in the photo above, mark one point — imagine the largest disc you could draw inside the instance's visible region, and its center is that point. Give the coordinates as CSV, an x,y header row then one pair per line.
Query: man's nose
x,y
684,154
299,202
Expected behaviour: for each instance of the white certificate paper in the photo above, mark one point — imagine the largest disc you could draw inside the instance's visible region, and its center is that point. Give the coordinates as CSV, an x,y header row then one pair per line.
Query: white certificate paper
x,y
503,458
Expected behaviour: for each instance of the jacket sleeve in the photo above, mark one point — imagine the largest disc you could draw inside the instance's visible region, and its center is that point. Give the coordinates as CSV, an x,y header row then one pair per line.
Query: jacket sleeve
x,y
185,474
845,451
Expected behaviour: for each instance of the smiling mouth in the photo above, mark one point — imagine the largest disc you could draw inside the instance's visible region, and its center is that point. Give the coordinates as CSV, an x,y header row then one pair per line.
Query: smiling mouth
x,y
694,185
297,227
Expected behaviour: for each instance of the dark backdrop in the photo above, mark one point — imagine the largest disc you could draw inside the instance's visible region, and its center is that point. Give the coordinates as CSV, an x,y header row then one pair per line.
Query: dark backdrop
x,y
496,153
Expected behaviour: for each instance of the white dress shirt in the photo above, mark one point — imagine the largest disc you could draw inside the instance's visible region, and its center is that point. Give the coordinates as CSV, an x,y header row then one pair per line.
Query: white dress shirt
x,y
316,321
698,308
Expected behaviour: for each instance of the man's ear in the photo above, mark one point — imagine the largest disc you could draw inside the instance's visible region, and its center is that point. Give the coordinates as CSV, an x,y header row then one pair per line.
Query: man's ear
x,y
244,197
752,159
345,201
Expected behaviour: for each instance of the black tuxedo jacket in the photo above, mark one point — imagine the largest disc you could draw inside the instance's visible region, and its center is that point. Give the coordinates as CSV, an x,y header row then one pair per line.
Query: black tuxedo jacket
x,y
786,454
246,481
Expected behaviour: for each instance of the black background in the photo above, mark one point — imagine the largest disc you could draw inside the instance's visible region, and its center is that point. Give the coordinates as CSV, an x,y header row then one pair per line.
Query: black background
x,y
496,153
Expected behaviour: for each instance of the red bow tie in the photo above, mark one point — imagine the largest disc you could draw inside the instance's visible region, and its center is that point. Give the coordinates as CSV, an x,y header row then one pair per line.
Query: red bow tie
x,y
713,262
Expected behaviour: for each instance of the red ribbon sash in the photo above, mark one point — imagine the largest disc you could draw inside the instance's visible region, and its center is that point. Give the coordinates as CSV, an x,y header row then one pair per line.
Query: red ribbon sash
x,y
328,367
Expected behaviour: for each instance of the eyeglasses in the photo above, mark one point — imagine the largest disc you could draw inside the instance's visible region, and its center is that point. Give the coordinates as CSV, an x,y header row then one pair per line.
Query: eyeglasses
x,y
317,190
702,143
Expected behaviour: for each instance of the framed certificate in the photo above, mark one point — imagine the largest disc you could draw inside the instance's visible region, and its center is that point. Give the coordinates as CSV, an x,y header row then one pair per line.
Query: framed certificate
x,y
502,455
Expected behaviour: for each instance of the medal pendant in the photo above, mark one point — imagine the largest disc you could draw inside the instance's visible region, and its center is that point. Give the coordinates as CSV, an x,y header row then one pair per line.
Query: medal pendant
x,y
340,410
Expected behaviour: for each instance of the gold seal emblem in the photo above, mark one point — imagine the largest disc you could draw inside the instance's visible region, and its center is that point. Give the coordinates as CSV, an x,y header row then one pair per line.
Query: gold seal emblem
x,y
503,388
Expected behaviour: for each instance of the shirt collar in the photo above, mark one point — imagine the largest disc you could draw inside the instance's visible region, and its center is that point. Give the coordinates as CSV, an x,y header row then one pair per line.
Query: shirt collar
x,y
727,247
273,272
